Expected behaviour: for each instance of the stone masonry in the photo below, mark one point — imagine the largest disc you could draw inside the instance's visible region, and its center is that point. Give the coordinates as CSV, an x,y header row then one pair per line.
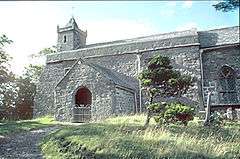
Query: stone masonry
x,y
109,70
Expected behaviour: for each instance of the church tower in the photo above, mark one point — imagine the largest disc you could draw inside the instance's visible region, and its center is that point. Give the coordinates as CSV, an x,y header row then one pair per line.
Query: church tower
x,y
70,37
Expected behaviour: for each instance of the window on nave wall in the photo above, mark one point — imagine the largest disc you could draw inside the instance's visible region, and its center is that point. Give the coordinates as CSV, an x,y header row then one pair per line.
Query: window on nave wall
x,y
227,85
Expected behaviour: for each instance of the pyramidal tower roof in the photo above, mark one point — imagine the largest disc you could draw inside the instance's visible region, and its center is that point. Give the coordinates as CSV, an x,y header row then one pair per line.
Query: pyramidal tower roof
x,y
72,22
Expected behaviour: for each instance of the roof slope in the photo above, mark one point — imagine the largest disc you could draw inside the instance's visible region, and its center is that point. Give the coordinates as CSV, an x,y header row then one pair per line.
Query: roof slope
x,y
218,37
190,37
71,22
114,77
154,37
129,45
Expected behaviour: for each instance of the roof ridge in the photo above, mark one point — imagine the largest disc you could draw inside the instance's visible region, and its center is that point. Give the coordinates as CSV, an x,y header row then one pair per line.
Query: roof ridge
x,y
236,26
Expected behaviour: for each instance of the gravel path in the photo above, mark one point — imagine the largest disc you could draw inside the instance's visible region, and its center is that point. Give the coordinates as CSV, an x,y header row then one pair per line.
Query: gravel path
x,y
24,145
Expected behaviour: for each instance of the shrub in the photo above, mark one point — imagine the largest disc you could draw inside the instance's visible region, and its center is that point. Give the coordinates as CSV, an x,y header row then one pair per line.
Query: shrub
x,y
216,119
159,79
176,112
171,113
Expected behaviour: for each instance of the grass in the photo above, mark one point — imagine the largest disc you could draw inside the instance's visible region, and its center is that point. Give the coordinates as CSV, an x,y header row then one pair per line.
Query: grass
x,y
10,127
124,137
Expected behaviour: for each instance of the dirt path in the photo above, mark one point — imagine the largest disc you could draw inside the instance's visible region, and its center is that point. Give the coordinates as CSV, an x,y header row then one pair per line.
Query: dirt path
x,y
24,145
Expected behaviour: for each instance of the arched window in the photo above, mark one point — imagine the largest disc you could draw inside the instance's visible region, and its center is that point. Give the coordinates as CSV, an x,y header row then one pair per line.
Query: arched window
x,y
227,85
83,97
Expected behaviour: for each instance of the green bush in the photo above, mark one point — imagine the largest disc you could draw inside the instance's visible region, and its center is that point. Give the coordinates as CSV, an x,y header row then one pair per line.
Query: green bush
x,y
216,119
157,107
176,112
171,113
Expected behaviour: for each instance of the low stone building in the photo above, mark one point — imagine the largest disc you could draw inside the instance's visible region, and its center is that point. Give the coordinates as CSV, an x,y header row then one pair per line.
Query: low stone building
x,y
90,82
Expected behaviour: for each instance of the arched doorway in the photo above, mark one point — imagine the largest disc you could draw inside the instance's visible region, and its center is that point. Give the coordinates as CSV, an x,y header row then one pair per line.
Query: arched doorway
x,y
83,97
83,101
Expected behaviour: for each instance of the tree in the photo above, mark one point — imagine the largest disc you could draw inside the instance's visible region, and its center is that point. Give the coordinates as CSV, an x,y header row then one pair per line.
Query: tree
x,y
159,79
4,40
8,89
5,74
227,5
28,81
33,72
27,84
15,90
44,52
48,50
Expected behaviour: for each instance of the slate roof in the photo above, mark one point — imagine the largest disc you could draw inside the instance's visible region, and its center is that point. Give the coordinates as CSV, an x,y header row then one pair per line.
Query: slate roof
x,y
154,37
71,22
204,39
115,77
216,37
187,37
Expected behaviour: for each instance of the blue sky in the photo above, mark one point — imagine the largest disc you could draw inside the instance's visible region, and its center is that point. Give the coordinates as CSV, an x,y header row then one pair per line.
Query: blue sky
x,y
32,25
164,16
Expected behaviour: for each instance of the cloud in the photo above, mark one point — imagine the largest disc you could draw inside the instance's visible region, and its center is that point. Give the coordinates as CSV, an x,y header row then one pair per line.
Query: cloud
x,y
186,26
187,4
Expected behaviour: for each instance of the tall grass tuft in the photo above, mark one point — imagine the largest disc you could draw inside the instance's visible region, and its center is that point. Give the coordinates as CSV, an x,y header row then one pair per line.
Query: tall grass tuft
x,y
124,137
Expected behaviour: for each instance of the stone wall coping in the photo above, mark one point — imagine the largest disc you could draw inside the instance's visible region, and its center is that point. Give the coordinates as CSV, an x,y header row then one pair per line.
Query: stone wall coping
x,y
66,74
125,88
203,50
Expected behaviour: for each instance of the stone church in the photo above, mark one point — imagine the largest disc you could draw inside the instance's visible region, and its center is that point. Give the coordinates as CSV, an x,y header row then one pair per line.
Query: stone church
x,y
89,82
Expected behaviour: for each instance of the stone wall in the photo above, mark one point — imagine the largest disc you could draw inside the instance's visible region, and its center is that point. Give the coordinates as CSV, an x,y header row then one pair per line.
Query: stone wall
x,y
125,102
70,37
69,44
84,76
125,59
125,65
186,60
212,61
44,98
114,58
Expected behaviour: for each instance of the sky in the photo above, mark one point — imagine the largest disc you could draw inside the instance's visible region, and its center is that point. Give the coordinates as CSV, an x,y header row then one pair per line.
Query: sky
x,y
32,25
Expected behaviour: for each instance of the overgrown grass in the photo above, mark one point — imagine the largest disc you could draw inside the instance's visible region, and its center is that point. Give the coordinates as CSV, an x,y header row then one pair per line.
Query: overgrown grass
x,y
10,127
124,137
